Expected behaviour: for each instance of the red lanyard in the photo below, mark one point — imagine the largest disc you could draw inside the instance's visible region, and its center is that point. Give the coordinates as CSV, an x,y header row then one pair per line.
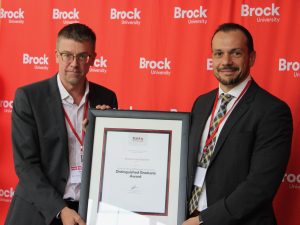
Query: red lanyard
x,y
86,106
213,134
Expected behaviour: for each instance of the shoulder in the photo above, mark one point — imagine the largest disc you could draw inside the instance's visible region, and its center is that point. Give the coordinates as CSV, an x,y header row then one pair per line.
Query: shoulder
x,y
100,95
38,94
264,99
38,87
265,108
205,99
97,88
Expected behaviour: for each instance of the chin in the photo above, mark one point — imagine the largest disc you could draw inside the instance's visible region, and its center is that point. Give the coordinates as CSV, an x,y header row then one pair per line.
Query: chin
x,y
74,81
229,81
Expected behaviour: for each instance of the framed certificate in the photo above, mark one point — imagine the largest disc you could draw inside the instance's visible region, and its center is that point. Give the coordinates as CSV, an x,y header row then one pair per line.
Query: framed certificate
x,y
134,168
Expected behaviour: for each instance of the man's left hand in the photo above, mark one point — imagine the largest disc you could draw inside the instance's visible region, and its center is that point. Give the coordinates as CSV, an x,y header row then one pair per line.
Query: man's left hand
x,y
192,221
85,121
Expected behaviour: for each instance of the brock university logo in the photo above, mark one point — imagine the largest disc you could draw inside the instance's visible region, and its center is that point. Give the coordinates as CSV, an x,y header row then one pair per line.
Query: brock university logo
x,y
38,62
130,17
161,67
6,194
13,16
292,180
6,106
289,66
193,16
67,17
100,65
268,14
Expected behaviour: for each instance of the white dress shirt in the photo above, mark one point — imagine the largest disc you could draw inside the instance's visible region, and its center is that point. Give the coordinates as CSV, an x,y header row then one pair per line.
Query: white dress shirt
x,y
75,113
235,92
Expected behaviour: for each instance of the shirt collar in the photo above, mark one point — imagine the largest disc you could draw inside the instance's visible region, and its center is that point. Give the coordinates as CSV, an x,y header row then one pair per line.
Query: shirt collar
x,y
65,94
237,90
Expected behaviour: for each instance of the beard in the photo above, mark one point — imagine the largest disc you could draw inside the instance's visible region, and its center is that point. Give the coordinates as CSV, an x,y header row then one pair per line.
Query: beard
x,y
231,81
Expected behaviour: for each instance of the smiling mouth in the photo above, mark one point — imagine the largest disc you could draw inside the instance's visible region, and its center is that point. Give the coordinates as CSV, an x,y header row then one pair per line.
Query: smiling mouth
x,y
228,69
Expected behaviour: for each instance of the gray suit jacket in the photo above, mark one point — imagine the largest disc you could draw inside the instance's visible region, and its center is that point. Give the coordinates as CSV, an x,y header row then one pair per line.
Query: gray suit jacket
x,y
40,147
249,159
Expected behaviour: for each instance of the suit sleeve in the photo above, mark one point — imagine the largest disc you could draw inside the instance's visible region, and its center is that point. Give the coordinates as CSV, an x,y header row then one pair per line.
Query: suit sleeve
x,y
271,150
114,101
33,186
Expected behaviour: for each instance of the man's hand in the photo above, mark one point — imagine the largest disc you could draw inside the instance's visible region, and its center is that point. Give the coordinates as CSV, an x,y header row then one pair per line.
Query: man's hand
x,y
103,107
85,121
192,221
70,217
84,124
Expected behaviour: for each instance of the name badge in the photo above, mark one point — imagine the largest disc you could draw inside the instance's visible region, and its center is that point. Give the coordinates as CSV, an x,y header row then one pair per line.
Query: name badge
x,y
200,176
75,176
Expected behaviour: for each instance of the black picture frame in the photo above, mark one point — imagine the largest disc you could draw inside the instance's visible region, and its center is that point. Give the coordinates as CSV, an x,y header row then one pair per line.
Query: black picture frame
x,y
101,121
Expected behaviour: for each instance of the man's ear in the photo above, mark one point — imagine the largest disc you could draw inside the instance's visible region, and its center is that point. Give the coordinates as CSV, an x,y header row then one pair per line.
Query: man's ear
x,y
252,58
93,57
56,56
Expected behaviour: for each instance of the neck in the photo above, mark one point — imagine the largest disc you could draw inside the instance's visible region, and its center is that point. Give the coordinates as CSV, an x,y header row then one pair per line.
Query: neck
x,y
226,88
76,91
77,95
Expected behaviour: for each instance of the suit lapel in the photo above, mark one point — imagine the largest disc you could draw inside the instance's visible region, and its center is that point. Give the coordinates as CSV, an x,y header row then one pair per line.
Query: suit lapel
x,y
54,102
202,113
92,96
240,109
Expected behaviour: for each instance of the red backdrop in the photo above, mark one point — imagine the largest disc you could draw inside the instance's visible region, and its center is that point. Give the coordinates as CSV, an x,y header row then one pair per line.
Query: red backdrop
x,y
156,56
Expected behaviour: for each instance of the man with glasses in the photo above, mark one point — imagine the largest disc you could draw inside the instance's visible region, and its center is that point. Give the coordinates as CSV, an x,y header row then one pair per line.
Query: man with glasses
x,y
47,121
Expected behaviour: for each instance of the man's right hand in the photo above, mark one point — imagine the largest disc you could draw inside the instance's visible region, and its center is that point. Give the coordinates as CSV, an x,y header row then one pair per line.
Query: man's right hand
x,y
103,107
70,217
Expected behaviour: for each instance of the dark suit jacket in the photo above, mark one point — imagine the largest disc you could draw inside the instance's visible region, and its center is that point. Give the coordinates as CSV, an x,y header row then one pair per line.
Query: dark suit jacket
x,y
40,147
249,159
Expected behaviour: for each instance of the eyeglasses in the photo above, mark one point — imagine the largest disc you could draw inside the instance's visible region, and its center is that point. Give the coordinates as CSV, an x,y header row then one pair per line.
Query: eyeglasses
x,y
68,57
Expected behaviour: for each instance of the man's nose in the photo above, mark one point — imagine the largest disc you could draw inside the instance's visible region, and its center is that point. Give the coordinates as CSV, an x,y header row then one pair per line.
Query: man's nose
x,y
227,59
75,61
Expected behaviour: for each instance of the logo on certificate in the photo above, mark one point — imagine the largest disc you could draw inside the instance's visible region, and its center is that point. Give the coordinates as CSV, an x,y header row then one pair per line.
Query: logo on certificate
x,y
137,139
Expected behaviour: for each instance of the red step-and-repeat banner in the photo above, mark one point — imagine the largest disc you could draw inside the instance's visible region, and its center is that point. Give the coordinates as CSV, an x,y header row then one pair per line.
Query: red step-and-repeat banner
x,y
155,54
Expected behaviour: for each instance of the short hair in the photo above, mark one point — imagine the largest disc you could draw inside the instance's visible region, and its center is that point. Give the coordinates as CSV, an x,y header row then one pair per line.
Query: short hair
x,y
225,27
78,32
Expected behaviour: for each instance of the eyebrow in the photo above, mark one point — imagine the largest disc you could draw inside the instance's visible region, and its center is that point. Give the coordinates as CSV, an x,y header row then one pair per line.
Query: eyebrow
x,y
231,50
66,51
